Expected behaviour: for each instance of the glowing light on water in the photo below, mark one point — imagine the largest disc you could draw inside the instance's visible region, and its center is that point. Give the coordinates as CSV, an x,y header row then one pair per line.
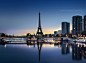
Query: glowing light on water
x,y
66,45
81,45
52,45
5,45
29,45
78,45
44,45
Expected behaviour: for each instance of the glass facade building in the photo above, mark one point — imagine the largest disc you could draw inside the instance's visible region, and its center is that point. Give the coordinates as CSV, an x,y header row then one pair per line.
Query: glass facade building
x,y
82,24
85,23
65,28
76,25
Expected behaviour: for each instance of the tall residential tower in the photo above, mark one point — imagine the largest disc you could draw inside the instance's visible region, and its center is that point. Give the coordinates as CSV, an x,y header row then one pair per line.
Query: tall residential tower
x,y
76,25
85,23
65,28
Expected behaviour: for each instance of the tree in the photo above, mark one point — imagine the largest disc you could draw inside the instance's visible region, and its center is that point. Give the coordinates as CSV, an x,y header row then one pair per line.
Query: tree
x,y
2,34
28,35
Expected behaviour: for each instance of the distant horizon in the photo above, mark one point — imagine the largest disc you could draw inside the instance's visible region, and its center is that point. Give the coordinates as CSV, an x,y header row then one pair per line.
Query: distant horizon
x,y
36,32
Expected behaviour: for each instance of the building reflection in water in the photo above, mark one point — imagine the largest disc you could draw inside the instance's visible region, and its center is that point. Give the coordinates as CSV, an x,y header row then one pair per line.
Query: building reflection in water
x,y
65,48
84,52
39,48
78,52
31,43
57,45
39,45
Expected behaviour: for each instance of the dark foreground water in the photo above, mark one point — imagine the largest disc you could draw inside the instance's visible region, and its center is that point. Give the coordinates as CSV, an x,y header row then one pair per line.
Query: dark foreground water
x,y
42,53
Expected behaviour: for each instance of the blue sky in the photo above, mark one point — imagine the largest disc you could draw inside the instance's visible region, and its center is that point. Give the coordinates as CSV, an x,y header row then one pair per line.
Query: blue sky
x,y
20,17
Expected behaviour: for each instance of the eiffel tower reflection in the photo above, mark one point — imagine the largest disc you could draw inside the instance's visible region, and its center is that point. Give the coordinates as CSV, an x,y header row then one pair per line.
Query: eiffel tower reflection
x,y
39,45
39,48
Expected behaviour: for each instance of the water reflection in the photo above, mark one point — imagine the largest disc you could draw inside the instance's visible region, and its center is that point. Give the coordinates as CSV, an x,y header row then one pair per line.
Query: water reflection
x,y
65,48
39,45
31,43
39,48
78,51
5,45
84,53
57,45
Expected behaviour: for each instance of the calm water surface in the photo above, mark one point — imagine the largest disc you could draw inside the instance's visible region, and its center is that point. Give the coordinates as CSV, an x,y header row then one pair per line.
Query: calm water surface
x,y
42,53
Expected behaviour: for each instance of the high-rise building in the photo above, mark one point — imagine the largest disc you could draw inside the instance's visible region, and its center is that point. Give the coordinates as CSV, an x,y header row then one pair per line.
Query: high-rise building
x,y
65,28
76,25
85,23
82,24
59,31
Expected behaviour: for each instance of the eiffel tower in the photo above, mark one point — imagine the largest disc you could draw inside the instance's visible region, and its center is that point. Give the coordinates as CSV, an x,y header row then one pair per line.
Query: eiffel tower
x,y
39,32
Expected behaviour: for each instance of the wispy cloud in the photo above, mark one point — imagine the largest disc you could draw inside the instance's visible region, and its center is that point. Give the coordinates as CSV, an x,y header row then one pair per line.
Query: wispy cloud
x,y
70,10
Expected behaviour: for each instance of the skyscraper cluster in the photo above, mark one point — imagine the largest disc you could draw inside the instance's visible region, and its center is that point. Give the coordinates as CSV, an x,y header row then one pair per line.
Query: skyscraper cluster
x,y
78,25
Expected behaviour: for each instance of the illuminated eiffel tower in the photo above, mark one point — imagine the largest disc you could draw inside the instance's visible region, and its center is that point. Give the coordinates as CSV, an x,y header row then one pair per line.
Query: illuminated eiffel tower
x,y
39,32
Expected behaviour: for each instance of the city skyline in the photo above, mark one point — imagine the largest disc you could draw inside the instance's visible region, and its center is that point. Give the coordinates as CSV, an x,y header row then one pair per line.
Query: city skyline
x,y
21,17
